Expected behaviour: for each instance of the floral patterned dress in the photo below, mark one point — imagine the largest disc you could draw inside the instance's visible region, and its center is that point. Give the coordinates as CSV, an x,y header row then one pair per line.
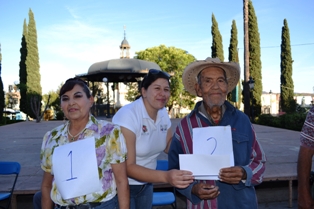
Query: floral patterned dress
x,y
110,149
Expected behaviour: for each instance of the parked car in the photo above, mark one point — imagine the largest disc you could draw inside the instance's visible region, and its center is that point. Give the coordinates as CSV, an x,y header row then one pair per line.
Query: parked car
x,y
19,115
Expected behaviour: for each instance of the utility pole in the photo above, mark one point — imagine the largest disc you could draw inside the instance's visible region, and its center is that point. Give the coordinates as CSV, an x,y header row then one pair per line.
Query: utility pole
x,y
246,89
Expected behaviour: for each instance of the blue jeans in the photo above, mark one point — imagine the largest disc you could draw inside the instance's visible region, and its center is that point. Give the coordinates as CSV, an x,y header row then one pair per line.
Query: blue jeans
x,y
141,196
111,204
37,200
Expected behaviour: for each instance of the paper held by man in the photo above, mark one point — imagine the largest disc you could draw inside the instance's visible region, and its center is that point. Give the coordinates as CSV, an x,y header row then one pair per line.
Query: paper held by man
x,y
212,150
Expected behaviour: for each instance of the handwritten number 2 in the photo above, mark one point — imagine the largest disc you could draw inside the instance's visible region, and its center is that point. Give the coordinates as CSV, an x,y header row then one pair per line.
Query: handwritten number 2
x,y
72,178
215,140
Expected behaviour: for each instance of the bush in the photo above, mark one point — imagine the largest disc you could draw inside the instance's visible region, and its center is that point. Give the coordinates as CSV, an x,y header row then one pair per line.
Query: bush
x,y
6,121
291,121
48,115
60,115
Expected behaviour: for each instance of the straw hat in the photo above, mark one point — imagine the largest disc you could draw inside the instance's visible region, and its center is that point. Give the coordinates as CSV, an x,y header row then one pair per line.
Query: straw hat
x,y
190,73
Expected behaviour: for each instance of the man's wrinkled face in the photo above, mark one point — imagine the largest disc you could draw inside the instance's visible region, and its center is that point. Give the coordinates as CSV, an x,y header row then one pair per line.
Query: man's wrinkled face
x,y
212,86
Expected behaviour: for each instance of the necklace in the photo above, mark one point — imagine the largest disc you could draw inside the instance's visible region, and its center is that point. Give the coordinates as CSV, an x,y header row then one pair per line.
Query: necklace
x,y
73,137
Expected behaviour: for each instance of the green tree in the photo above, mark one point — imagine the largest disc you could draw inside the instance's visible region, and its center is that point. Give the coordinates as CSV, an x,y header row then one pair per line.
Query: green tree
x,y
2,105
54,102
217,47
287,103
233,96
233,47
255,60
23,73
133,91
34,90
173,61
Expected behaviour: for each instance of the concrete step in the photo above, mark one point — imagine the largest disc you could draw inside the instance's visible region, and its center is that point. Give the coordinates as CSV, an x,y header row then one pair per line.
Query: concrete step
x,y
271,195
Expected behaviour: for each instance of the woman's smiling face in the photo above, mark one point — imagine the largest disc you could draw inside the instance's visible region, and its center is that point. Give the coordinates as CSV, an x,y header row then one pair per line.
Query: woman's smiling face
x,y
75,103
157,94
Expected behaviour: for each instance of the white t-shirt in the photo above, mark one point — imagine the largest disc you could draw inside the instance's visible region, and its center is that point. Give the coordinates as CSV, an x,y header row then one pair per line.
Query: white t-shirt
x,y
151,137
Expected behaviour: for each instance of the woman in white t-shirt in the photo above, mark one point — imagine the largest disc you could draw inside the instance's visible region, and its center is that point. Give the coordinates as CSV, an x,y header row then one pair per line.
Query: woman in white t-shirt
x,y
146,127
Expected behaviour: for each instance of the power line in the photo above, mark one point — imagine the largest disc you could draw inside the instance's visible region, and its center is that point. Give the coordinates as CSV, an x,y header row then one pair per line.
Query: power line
x,y
306,44
290,45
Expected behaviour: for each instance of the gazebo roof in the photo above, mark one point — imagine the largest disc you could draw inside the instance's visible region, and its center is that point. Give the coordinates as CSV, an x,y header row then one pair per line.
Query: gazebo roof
x,y
119,70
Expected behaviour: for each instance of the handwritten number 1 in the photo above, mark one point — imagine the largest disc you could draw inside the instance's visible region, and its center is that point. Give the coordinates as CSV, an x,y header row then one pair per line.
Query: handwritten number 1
x,y
72,178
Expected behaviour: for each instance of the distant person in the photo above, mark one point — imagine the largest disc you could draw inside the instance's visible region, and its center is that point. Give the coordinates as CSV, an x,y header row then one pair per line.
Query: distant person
x,y
212,80
146,127
306,153
94,148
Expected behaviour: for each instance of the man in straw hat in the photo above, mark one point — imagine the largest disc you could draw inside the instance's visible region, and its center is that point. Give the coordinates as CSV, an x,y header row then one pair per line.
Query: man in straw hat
x,y
212,80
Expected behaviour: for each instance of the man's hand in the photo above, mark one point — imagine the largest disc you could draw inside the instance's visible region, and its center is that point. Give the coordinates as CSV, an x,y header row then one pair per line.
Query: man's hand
x,y
205,191
232,175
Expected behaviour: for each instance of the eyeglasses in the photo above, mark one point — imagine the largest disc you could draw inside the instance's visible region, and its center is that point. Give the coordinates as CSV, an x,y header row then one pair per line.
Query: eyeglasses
x,y
156,72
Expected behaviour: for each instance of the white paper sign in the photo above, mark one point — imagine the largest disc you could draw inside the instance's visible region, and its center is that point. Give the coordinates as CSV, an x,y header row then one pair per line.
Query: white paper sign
x,y
206,166
75,168
211,147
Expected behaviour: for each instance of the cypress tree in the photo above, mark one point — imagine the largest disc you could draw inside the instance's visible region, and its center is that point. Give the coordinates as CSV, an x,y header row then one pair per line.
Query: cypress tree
x,y
233,47
23,73
32,65
2,104
287,102
255,60
217,47
234,57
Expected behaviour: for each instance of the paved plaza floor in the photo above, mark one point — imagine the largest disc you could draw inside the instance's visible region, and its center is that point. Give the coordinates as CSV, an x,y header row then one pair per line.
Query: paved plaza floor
x,y
21,142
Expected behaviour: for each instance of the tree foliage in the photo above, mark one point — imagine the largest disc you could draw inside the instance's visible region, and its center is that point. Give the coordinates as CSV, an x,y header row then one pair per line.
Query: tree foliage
x,y
287,102
172,60
33,87
2,104
255,64
54,102
133,91
217,46
23,73
233,96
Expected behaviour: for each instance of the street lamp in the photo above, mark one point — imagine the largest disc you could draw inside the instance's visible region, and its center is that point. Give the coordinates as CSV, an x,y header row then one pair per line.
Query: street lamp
x,y
98,103
113,94
270,92
251,85
108,104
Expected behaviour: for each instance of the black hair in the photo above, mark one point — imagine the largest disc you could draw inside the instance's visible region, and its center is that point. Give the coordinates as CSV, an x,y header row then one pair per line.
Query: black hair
x,y
152,76
70,83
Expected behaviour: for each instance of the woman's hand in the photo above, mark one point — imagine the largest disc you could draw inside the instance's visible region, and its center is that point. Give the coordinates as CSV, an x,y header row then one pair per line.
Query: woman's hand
x,y
179,178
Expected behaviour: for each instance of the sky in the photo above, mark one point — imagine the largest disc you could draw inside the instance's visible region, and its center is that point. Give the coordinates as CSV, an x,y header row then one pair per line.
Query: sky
x,y
74,34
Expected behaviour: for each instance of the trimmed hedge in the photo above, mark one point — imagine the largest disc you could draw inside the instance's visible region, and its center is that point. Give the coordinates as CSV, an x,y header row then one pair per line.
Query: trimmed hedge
x,y
6,121
291,121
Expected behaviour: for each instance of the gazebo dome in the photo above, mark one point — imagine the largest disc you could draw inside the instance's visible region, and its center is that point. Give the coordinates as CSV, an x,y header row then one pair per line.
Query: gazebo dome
x,y
125,43
119,70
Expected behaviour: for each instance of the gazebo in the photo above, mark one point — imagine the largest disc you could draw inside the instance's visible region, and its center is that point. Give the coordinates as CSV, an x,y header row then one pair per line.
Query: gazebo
x,y
123,70
117,71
